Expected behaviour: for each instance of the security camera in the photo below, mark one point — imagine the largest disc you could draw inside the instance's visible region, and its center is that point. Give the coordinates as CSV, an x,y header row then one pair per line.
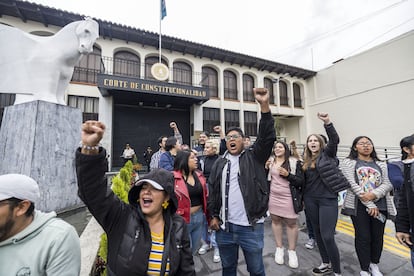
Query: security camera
x,y
275,80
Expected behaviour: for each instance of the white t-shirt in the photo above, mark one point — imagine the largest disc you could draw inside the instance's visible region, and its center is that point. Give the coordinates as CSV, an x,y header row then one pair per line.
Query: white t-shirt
x,y
236,210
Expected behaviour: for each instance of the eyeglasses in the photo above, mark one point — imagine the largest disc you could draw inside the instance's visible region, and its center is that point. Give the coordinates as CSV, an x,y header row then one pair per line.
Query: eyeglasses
x,y
364,144
234,136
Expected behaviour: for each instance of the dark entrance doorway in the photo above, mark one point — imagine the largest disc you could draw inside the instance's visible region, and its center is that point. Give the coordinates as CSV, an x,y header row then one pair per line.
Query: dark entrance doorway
x,y
140,126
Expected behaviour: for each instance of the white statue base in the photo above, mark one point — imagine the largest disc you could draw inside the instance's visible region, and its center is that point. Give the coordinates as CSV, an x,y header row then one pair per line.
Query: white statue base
x,y
39,139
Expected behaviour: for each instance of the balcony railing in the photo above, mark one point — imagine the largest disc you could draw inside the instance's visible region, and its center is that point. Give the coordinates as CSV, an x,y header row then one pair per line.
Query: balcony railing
x,y
129,68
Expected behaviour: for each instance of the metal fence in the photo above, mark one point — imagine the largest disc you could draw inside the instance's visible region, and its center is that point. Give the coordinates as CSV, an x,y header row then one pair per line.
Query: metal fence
x,y
383,153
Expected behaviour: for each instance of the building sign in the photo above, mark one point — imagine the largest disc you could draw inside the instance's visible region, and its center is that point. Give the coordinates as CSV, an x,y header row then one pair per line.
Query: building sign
x,y
112,83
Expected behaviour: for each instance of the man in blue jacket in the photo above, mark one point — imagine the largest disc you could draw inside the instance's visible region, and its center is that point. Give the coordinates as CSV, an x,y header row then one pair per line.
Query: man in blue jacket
x,y
239,193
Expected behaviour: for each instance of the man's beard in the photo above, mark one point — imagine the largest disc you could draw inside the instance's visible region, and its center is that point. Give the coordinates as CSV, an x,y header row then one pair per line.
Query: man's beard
x,y
6,228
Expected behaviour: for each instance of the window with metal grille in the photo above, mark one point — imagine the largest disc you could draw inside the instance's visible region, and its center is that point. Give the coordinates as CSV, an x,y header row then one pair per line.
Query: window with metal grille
x,y
182,73
210,80
268,83
230,85
211,118
88,105
284,99
88,67
297,98
5,100
248,84
127,64
231,118
250,123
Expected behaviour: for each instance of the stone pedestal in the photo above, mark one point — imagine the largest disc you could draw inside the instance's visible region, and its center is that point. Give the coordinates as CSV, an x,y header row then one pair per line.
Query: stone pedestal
x,y
39,139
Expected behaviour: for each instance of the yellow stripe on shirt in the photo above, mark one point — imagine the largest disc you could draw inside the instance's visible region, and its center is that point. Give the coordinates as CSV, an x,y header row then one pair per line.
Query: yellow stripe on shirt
x,y
155,258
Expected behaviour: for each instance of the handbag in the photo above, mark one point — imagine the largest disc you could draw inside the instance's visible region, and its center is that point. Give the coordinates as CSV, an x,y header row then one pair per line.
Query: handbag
x,y
297,198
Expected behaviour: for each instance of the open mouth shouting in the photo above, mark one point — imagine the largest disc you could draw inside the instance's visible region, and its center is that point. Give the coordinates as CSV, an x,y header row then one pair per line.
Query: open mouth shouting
x,y
146,202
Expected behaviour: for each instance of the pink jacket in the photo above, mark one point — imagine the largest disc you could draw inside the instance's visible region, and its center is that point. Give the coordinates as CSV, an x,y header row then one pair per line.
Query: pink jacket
x,y
181,191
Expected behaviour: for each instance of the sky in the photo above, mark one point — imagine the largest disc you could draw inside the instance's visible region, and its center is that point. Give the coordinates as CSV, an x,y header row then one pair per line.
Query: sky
x,y
311,34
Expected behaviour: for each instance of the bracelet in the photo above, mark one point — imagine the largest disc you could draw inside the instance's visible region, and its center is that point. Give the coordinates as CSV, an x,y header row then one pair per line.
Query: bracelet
x,y
87,147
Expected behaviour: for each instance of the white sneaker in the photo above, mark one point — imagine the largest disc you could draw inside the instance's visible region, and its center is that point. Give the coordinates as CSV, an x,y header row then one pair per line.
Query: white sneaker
x,y
203,249
374,269
293,259
279,255
310,244
364,273
216,256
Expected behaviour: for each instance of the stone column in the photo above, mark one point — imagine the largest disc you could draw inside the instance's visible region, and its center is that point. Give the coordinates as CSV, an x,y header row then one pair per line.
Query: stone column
x,y
39,139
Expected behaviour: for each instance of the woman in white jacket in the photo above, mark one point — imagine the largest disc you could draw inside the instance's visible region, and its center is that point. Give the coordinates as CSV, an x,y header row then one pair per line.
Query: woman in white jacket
x,y
368,202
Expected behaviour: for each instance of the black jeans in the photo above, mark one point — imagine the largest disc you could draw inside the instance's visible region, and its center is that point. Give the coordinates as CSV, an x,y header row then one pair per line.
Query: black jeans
x,y
369,237
323,214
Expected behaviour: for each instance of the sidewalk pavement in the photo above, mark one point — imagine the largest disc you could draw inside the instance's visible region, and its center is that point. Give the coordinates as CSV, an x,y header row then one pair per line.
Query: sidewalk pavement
x,y
391,264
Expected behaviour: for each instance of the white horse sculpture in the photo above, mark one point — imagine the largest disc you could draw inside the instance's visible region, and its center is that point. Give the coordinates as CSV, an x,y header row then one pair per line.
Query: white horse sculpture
x,y
40,68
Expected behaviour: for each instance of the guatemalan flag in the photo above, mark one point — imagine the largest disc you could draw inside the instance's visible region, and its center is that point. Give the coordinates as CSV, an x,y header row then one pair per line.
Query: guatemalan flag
x,y
163,9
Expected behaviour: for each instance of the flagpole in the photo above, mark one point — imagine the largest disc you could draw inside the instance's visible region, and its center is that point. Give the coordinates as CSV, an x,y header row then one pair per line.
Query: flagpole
x,y
159,70
159,40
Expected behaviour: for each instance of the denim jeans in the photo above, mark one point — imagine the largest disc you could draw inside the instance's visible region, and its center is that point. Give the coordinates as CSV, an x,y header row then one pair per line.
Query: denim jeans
x,y
205,234
195,230
412,256
213,238
251,241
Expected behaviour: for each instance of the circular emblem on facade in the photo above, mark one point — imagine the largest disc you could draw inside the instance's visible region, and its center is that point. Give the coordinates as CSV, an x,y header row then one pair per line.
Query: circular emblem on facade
x,y
160,71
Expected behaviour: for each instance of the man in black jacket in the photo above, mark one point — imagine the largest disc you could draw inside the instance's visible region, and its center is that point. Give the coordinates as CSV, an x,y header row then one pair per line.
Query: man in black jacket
x,y
239,194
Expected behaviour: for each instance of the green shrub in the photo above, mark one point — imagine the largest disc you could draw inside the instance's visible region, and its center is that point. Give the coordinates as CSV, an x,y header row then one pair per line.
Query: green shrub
x,y
121,184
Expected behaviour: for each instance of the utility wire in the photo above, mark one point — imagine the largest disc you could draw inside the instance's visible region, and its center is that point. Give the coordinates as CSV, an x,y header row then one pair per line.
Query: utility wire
x,y
338,29
369,42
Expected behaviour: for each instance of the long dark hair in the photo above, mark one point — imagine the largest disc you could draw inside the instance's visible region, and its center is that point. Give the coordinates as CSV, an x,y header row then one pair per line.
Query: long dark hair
x,y
406,142
181,161
285,164
353,154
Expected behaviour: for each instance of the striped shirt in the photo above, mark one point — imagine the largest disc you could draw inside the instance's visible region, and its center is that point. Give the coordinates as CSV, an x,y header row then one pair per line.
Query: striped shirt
x,y
155,258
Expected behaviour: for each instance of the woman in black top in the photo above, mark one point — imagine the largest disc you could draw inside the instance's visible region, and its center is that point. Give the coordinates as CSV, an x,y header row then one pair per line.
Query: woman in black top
x,y
320,201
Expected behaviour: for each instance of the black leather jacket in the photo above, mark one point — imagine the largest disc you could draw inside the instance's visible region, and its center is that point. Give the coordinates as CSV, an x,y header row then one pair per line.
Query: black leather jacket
x,y
405,203
129,235
253,178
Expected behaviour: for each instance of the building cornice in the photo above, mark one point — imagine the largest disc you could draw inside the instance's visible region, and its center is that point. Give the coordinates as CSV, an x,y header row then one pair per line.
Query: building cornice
x,y
108,30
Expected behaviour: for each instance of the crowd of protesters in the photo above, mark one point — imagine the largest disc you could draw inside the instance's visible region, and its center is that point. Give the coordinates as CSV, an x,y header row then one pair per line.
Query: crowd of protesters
x,y
217,195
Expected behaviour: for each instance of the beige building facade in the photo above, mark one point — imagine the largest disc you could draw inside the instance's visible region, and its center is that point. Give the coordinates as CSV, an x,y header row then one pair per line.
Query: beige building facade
x,y
371,94
367,94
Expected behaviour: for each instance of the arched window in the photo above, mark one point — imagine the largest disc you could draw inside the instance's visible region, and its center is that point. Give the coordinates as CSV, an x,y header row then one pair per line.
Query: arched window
x,y
182,73
149,61
297,98
284,99
210,80
88,67
268,83
230,85
126,64
248,84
